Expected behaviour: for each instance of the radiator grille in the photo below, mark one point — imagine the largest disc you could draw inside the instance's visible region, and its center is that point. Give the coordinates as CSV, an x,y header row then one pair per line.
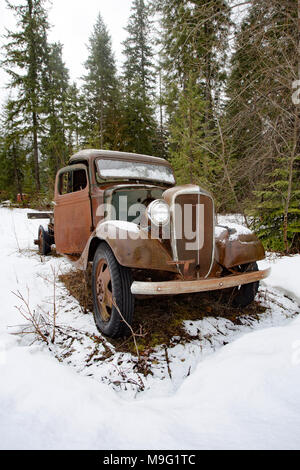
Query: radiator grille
x,y
193,234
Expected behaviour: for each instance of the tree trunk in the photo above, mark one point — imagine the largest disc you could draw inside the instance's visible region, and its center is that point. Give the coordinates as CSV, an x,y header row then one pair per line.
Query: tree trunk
x,y
191,155
36,153
17,172
101,124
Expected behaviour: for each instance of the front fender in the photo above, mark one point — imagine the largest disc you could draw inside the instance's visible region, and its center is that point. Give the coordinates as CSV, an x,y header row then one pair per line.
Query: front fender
x,y
131,245
236,245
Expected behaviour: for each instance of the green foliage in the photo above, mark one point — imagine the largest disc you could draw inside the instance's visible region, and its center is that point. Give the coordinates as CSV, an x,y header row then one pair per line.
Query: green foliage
x,y
101,91
140,131
74,118
12,153
194,41
25,59
187,134
272,207
54,147
263,122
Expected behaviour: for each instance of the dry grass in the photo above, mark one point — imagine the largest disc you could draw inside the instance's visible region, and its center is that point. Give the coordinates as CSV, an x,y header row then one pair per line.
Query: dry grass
x,y
157,320
79,285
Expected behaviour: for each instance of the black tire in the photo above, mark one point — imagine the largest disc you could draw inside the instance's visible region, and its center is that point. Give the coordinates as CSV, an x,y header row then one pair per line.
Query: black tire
x,y
45,241
244,295
107,318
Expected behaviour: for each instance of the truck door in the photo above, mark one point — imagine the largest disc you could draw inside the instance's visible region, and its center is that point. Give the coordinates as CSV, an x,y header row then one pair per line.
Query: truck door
x,y
72,210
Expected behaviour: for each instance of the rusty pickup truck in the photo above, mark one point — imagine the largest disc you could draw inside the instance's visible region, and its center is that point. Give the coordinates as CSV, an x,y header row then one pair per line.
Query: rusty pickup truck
x,y
144,235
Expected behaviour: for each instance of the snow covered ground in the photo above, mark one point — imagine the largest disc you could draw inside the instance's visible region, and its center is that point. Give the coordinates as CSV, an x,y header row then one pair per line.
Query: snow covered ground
x,y
232,387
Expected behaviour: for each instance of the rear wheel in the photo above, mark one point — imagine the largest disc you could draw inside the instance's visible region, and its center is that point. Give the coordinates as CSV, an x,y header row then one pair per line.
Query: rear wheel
x,y
45,241
111,285
241,296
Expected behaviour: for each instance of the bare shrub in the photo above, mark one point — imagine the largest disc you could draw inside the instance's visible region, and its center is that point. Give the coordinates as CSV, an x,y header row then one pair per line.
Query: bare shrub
x,y
42,324
37,323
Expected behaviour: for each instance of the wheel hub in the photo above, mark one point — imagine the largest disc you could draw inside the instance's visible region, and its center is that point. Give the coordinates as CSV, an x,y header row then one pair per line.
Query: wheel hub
x,y
103,290
100,290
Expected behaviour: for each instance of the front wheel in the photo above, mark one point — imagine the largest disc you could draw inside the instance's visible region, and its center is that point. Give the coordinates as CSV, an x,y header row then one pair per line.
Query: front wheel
x,y
111,285
241,296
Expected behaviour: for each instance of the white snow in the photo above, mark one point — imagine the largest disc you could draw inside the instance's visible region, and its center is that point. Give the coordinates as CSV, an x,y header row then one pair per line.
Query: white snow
x,y
219,231
232,387
233,222
116,224
285,275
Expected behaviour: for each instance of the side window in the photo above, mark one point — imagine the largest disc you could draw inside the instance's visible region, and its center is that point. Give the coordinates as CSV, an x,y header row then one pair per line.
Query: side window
x,y
65,183
72,181
79,180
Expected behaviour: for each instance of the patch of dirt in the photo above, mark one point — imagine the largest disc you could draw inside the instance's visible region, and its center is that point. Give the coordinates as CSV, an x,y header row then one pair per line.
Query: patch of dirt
x,y
157,320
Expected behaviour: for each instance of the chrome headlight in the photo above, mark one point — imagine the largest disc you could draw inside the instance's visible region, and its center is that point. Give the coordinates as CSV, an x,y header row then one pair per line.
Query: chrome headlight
x,y
159,212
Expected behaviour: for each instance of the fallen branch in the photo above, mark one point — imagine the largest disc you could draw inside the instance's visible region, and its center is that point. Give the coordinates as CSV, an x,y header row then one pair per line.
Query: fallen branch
x,y
125,380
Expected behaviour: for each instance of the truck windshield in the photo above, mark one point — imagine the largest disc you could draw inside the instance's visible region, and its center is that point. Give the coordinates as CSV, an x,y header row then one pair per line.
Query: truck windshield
x,y
116,169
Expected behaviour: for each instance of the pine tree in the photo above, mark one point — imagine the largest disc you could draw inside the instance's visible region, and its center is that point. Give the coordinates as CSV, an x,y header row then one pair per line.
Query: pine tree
x,y
194,42
101,89
186,134
138,77
277,224
75,123
55,95
26,52
12,153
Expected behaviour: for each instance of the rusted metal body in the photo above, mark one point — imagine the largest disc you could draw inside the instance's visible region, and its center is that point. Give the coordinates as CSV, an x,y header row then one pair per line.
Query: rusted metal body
x,y
79,227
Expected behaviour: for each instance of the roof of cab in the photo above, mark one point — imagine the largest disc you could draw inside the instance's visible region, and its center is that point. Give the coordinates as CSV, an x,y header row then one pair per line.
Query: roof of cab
x,y
92,154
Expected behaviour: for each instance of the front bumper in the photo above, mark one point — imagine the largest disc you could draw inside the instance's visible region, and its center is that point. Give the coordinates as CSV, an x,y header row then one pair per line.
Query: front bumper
x,y
202,285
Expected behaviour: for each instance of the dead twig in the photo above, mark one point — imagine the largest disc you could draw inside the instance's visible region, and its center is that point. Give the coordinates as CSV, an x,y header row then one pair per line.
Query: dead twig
x,y
168,362
129,326
54,303
125,380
